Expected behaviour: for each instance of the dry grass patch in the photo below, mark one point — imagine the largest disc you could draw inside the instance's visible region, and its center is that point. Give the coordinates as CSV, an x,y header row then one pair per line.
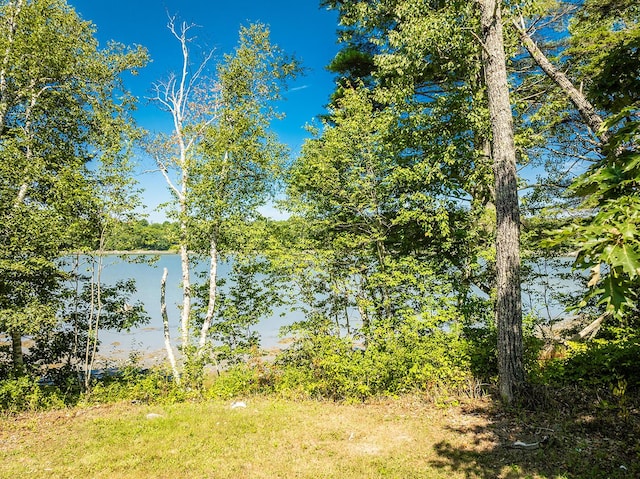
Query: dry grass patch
x,y
270,438
273,438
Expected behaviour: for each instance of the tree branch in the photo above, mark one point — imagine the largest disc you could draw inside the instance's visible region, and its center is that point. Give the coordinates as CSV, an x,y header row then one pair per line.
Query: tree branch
x,y
587,111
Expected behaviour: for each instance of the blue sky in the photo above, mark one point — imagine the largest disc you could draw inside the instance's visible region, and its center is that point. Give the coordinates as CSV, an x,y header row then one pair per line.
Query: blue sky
x,y
300,27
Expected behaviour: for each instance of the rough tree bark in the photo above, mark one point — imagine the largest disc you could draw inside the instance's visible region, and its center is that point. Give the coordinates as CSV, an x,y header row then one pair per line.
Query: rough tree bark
x,y
509,302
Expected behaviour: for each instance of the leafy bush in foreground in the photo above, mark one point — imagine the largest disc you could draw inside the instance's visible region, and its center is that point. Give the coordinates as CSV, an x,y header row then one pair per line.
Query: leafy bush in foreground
x,y
25,394
134,384
598,363
394,361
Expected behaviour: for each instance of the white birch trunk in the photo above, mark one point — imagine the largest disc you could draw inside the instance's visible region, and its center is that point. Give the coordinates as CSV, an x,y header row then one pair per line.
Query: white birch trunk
x,y
211,306
186,292
11,26
175,95
167,331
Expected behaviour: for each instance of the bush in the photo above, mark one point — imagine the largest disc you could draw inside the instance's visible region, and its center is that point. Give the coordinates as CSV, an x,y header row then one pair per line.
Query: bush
x,y
595,364
134,384
25,394
253,377
408,358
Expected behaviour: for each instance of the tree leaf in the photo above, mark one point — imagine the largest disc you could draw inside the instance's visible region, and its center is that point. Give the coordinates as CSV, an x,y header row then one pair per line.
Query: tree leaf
x,y
626,257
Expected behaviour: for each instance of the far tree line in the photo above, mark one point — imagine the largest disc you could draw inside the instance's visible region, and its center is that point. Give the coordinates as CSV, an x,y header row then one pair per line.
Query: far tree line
x,y
142,235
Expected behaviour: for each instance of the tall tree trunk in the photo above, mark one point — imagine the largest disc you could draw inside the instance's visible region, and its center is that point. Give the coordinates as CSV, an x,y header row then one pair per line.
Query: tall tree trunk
x,y
584,107
509,301
16,335
95,314
11,25
213,289
167,331
186,289
16,353
184,215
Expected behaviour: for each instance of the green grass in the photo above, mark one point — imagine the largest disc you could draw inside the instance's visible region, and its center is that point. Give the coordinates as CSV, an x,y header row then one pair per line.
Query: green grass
x,y
277,438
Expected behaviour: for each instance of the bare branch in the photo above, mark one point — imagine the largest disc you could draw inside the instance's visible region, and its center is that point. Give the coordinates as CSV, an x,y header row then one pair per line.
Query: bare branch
x,y
165,173
592,329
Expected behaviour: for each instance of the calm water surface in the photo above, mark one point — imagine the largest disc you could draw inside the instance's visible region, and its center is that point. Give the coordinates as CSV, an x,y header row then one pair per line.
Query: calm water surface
x,y
149,339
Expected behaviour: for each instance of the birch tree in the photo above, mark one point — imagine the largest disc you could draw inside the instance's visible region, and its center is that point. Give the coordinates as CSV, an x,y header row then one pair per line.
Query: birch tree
x,y
220,162
174,156
62,104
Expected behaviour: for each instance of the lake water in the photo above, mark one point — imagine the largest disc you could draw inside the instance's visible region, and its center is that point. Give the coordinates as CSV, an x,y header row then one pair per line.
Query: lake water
x,y
149,339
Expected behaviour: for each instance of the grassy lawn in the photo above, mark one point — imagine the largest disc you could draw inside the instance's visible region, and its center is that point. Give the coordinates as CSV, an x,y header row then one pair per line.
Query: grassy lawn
x,y
276,438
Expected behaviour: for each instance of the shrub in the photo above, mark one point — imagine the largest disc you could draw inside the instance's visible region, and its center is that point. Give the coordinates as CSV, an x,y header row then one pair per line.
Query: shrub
x,y
25,394
134,384
598,363
408,358
241,379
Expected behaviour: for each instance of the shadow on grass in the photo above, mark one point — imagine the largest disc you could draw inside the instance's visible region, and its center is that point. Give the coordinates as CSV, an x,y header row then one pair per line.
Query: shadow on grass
x,y
577,437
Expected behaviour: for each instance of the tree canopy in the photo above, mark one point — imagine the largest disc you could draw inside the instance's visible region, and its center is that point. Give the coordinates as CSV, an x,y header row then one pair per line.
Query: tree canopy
x,y
65,133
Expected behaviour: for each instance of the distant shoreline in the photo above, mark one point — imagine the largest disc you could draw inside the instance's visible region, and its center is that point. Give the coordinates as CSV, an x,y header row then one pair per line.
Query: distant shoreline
x,y
126,252
140,251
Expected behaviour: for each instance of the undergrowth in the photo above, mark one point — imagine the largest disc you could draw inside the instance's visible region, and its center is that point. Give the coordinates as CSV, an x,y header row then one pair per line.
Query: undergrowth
x,y
437,367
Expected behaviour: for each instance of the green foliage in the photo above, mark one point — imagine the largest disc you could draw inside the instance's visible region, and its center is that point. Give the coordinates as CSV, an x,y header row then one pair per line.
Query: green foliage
x,y
131,383
222,164
126,383
255,376
25,394
60,350
372,228
142,235
62,104
192,374
240,158
607,240
600,363
390,198
251,294
392,229
416,357
605,44
482,351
